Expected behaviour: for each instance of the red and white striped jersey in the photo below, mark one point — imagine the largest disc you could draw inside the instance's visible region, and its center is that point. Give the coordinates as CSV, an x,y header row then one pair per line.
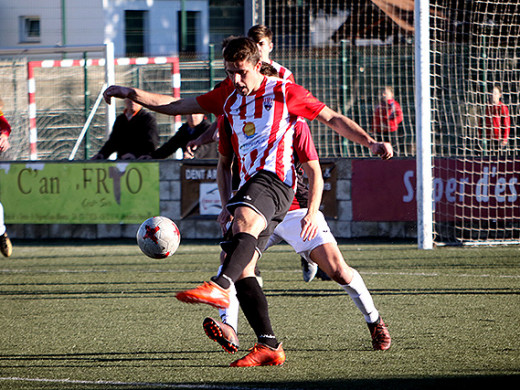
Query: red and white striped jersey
x,y
263,125
283,72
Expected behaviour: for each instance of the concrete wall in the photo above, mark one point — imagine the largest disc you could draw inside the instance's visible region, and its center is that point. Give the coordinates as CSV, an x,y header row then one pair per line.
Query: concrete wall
x,y
206,227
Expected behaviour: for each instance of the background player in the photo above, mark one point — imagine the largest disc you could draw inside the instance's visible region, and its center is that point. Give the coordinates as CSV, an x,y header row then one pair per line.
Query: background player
x,y
320,247
263,37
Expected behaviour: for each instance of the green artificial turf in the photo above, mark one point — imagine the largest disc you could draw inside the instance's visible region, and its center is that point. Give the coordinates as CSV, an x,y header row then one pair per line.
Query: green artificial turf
x,y
100,315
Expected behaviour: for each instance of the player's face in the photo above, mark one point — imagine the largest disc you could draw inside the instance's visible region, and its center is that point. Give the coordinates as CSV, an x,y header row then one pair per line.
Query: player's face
x,y
265,46
245,76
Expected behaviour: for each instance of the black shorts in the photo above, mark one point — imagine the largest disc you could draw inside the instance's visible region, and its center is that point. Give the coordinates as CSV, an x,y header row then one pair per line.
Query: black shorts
x,y
268,196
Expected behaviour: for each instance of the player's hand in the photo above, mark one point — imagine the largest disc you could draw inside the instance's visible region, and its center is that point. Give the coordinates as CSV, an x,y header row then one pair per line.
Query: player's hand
x,y
383,149
309,227
116,91
188,154
223,219
4,143
145,157
191,147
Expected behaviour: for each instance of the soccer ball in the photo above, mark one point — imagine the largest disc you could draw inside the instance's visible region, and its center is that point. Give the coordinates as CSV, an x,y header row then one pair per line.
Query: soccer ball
x,y
158,237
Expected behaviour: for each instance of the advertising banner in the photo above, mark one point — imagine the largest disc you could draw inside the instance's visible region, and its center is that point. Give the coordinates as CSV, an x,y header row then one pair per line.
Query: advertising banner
x,y
200,194
386,190
79,193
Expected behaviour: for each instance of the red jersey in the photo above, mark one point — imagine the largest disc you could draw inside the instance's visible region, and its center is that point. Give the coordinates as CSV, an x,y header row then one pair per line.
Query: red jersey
x,y
5,127
263,124
498,122
389,113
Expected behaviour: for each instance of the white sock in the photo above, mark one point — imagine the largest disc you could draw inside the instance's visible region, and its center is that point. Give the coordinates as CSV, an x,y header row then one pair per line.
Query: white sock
x,y
229,316
2,226
357,290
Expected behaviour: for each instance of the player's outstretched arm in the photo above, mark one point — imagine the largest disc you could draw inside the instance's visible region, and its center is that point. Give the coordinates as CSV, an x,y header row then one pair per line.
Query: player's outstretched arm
x,y
349,129
157,102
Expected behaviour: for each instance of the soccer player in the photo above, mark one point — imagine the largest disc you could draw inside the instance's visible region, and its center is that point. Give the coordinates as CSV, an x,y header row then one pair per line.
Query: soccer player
x,y
263,37
319,246
262,112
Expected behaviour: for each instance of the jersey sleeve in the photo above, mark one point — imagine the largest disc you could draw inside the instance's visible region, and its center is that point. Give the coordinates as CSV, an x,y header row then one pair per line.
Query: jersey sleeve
x,y
301,102
213,101
303,143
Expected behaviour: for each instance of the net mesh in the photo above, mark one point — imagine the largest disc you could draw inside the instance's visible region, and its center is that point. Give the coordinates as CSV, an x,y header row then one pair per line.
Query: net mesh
x,y
346,53
475,51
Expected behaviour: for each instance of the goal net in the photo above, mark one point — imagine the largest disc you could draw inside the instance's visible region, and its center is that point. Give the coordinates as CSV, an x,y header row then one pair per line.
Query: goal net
x,y
475,54
347,52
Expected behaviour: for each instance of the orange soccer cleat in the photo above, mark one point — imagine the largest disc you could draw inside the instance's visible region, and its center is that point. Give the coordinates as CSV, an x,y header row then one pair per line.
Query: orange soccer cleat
x,y
223,334
381,339
209,293
261,355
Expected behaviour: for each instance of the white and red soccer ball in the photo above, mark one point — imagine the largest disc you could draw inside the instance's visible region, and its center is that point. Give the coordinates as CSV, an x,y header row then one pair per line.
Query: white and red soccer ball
x,y
158,237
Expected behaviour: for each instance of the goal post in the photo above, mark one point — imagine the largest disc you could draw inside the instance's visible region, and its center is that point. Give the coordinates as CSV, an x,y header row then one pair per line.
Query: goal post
x,y
423,126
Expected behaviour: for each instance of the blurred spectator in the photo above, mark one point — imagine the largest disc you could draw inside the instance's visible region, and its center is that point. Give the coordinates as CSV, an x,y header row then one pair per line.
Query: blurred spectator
x,y
134,134
497,123
195,126
387,116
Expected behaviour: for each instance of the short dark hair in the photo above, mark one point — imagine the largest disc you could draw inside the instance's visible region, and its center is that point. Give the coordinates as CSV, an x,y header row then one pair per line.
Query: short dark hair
x,y
268,70
226,40
259,31
241,49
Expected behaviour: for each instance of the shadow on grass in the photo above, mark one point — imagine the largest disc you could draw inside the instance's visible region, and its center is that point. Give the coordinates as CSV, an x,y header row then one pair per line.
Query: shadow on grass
x,y
202,359
462,382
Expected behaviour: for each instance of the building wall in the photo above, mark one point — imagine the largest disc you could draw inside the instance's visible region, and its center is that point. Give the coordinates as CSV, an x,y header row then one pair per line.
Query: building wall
x,y
208,228
163,24
84,22
91,22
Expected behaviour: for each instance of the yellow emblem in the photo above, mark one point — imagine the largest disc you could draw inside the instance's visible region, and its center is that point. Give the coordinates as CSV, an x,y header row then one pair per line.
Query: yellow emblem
x,y
249,129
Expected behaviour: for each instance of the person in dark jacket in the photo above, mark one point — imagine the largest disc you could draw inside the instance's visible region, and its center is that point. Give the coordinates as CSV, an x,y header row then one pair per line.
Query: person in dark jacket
x,y
134,134
194,126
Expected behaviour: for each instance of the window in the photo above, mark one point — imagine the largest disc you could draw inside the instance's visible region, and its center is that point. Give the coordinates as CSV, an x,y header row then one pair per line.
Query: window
x,y
29,29
190,43
135,32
